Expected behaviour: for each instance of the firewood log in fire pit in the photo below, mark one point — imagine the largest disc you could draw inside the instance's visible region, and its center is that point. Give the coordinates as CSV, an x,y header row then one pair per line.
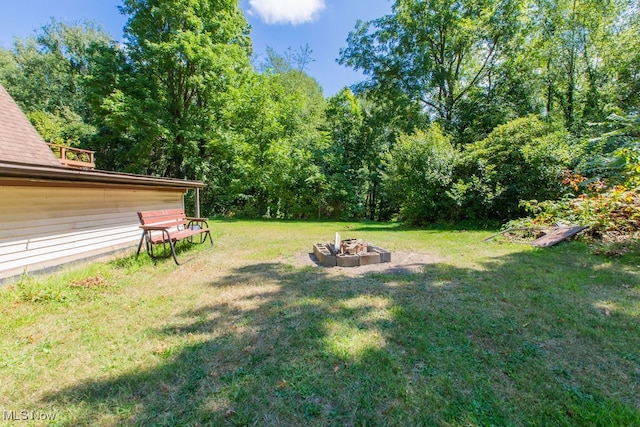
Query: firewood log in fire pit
x,y
352,246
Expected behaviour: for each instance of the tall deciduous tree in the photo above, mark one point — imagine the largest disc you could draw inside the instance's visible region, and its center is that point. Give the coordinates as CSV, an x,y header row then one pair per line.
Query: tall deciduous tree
x,y
46,76
626,63
573,46
277,126
344,160
188,57
432,52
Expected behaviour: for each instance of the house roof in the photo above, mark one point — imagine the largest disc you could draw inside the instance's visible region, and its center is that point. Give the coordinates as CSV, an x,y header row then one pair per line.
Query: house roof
x,y
19,140
25,155
35,173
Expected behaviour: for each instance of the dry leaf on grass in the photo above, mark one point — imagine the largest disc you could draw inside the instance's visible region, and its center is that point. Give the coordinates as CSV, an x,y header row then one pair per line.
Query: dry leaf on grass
x,y
90,282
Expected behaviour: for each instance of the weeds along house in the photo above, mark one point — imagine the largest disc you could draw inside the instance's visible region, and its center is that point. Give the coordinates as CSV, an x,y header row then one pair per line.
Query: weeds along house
x,y
56,209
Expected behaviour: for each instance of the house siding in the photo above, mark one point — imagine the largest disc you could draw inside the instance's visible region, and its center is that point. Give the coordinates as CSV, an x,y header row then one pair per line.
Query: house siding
x,y
48,224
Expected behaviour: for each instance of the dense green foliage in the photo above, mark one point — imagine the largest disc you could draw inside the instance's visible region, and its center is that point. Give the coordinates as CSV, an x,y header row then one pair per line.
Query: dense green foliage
x,y
468,109
421,169
186,59
433,52
520,160
277,135
604,187
46,76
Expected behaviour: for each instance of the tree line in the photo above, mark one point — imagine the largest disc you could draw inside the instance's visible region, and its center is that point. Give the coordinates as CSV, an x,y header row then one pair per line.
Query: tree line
x,y
469,109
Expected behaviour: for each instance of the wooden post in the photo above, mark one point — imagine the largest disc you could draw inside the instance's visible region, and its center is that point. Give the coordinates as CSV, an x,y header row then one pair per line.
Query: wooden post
x,y
197,203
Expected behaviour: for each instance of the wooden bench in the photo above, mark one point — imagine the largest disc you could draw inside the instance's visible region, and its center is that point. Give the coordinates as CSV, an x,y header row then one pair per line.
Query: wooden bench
x,y
168,227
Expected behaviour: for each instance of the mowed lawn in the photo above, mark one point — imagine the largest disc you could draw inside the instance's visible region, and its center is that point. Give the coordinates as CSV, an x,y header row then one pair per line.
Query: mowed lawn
x,y
250,332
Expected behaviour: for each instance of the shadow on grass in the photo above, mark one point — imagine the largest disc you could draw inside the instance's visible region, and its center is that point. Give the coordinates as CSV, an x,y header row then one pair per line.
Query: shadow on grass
x,y
528,338
185,252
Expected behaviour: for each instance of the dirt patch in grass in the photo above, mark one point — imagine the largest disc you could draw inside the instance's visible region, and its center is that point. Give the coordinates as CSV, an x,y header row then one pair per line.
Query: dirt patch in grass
x,y
401,262
90,282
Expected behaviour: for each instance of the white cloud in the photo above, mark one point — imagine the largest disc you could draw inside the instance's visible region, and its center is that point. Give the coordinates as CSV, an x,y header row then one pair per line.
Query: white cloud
x,y
286,11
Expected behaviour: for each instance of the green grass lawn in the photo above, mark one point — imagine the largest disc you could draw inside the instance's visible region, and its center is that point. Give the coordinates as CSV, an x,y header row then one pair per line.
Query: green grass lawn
x,y
243,334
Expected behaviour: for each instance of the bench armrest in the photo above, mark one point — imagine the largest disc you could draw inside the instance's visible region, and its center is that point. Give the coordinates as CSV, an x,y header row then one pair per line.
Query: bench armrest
x,y
201,222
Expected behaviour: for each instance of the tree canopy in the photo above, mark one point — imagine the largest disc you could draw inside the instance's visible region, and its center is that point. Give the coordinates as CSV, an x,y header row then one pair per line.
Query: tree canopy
x,y
433,52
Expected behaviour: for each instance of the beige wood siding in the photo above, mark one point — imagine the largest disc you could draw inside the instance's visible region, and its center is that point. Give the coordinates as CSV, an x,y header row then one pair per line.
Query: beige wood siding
x,y
41,226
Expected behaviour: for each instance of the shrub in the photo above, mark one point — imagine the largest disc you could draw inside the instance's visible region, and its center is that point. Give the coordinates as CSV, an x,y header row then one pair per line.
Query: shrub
x,y
520,160
611,213
419,175
606,191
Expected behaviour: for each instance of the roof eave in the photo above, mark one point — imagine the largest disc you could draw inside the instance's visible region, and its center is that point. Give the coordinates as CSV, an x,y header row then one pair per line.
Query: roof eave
x,y
24,171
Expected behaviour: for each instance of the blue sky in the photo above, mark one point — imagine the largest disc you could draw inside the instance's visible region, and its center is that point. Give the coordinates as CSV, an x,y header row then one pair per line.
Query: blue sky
x,y
280,24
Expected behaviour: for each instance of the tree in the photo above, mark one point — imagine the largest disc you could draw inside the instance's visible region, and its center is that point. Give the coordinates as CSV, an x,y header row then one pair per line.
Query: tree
x,y
278,132
573,45
49,68
523,159
626,63
289,61
362,128
62,128
432,52
344,160
304,123
46,76
187,57
420,171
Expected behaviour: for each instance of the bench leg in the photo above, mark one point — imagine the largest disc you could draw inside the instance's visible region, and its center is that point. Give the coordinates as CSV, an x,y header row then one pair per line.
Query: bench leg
x,y
173,251
172,245
144,233
149,246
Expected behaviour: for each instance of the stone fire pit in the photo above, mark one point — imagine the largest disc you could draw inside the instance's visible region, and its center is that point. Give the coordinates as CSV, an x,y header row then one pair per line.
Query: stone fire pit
x,y
349,253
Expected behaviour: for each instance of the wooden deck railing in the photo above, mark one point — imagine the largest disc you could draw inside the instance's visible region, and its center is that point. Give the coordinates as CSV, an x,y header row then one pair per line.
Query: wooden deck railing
x,y
74,157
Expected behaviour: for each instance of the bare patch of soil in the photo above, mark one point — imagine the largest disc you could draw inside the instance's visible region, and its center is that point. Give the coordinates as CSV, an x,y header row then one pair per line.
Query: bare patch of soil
x,y
401,262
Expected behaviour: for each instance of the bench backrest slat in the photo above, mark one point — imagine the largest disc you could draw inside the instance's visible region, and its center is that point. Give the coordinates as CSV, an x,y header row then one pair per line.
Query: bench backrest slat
x,y
165,217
